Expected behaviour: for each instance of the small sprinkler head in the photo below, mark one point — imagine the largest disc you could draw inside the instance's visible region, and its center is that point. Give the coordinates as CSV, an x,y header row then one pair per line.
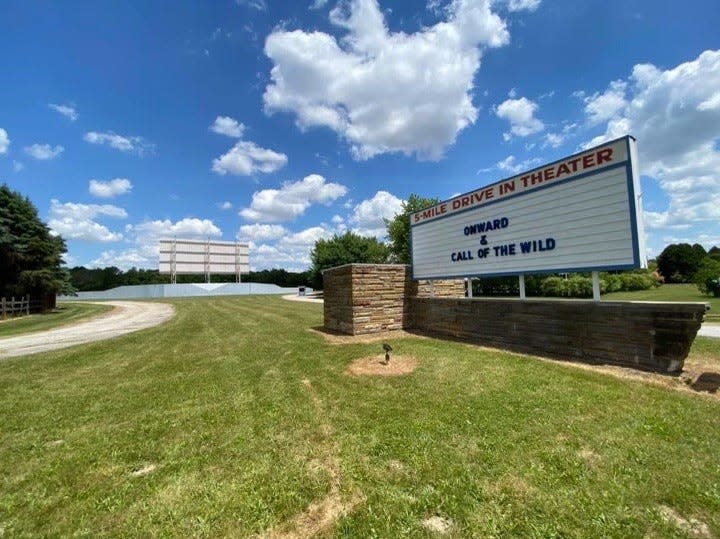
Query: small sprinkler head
x,y
387,348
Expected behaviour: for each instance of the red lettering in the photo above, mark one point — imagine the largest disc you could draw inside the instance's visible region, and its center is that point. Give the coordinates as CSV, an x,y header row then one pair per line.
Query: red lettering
x,y
563,169
443,209
574,163
549,173
524,180
536,178
588,161
604,156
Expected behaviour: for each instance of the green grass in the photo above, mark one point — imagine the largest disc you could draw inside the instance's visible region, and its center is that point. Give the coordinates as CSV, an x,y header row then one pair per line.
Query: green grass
x,y
672,292
65,313
249,419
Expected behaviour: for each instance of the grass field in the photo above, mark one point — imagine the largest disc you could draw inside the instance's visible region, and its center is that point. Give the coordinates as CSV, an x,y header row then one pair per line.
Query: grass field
x,y
65,313
234,420
673,292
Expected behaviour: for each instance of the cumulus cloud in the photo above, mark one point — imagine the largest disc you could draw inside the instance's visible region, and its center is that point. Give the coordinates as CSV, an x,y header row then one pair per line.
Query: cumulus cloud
x,y
145,238
291,252
43,152
675,116
260,5
521,115
224,125
520,5
109,189
79,221
511,167
4,141
247,158
384,91
601,107
226,205
292,199
128,144
368,216
66,110
261,232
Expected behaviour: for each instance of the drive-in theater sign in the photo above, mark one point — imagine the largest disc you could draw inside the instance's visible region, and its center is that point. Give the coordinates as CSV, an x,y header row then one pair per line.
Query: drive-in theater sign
x,y
581,213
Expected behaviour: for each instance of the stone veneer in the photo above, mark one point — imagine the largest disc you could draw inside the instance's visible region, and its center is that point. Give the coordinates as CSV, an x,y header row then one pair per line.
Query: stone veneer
x,y
371,298
642,335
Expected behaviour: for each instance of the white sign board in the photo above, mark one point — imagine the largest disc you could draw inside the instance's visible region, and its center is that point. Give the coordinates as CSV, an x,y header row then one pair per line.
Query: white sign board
x,y
581,213
196,257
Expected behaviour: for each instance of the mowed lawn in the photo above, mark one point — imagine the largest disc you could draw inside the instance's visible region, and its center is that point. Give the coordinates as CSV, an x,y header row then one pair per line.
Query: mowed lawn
x,y
673,292
234,420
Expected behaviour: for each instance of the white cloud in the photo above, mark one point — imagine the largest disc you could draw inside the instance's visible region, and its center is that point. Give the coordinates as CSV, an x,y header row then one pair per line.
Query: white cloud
x,y
292,199
519,5
246,158
66,110
43,152
318,4
130,258
521,115
384,92
510,167
260,5
224,125
4,141
129,144
367,217
145,237
112,188
554,139
18,166
226,205
672,114
291,252
602,107
261,232
78,221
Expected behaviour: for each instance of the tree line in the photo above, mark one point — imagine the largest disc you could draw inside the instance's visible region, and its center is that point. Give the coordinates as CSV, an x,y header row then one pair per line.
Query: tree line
x,y
31,261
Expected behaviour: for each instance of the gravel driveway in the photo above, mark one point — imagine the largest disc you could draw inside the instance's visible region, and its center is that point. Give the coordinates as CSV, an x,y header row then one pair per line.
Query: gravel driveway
x,y
126,317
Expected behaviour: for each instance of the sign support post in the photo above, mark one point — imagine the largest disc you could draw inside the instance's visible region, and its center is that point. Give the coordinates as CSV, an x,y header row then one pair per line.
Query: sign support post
x,y
522,286
596,285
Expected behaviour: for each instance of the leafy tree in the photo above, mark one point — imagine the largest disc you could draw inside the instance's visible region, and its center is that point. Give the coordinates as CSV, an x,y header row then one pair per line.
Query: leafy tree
x,y
707,277
346,249
398,228
679,262
30,256
714,253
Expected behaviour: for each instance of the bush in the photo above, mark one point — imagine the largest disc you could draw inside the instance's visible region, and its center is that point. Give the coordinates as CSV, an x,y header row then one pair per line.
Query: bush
x,y
707,277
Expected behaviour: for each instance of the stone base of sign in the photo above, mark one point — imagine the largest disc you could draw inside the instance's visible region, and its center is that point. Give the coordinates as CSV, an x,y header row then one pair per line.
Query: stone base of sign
x,y
643,335
370,298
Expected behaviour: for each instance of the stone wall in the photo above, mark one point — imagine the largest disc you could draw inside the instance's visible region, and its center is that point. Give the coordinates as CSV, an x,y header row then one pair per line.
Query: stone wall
x,y
643,335
370,298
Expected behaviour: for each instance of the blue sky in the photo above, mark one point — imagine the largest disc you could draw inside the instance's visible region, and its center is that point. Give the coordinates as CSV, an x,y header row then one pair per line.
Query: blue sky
x,y
280,123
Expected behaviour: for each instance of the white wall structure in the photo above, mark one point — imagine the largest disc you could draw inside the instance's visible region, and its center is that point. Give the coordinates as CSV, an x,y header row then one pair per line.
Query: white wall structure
x,y
580,213
195,257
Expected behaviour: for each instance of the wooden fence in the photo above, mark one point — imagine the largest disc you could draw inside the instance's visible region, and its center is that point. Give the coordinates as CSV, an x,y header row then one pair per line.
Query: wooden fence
x,y
19,307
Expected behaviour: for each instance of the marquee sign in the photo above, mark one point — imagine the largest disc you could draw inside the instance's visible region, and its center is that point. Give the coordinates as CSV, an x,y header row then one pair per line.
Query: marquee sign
x,y
580,213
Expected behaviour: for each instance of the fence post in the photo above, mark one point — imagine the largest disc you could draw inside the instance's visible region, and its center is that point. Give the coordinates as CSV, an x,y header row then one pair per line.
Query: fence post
x,y
4,312
27,307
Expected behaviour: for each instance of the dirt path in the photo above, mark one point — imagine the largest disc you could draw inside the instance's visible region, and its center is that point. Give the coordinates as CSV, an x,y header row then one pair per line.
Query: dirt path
x,y
126,317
